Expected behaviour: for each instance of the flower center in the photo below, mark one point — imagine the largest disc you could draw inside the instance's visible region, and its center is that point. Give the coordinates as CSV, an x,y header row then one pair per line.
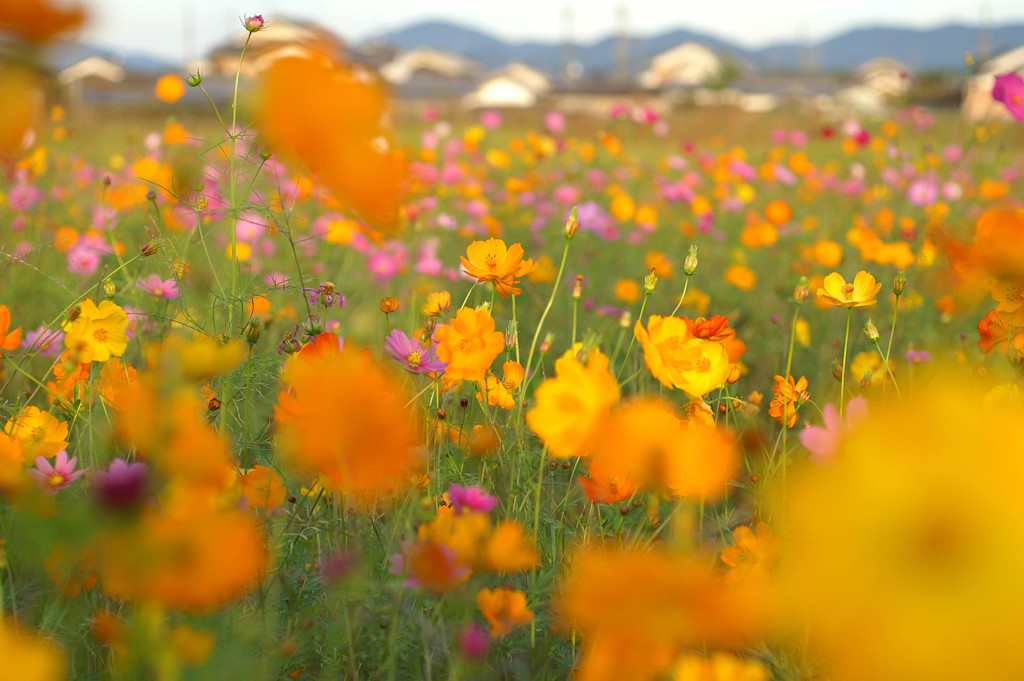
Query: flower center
x,y
38,433
491,259
848,290
100,335
55,480
703,365
414,359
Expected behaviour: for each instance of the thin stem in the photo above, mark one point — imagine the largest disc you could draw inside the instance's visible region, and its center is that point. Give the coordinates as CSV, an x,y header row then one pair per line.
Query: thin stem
x,y
540,324
842,383
686,285
233,136
632,340
888,350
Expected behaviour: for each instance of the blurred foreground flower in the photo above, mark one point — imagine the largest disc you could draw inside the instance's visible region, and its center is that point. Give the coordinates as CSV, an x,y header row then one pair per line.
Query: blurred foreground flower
x,y
332,118
29,657
1009,89
924,552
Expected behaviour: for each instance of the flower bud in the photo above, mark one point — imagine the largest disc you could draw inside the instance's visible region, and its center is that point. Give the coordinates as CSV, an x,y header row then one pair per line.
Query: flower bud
x,y
463,402
626,320
108,288
837,370
254,23
650,281
214,404
151,195
313,326
194,79
572,225
871,330
149,248
511,335
253,331
899,282
577,289
802,291
545,346
690,263
388,305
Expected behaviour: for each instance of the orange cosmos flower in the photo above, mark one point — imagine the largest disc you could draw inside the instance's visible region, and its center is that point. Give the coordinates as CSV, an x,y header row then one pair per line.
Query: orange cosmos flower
x,y
184,558
636,611
994,331
677,359
9,340
718,667
169,89
752,555
343,416
503,393
503,265
605,485
571,405
437,304
788,395
469,344
648,442
861,293
332,117
39,21
115,379
26,654
263,488
505,609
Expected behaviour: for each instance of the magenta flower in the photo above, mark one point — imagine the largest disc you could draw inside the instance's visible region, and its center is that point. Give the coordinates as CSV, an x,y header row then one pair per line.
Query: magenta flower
x,y
918,356
55,476
471,498
1009,89
326,293
155,286
823,443
412,354
254,23
123,486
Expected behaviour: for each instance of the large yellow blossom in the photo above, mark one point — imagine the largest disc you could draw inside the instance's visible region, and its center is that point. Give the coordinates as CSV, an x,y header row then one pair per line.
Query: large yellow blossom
x,y
570,406
679,360
861,293
98,332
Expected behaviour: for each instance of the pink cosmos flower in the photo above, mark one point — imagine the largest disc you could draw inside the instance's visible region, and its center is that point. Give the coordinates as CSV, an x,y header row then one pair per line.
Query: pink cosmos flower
x,y
490,119
155,286
49,342
823,443
554,121
1009,89
123,486
55,476
471,498
413,356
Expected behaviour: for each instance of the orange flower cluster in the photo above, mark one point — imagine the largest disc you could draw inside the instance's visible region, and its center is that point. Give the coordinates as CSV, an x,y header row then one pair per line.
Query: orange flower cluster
x,y
495,262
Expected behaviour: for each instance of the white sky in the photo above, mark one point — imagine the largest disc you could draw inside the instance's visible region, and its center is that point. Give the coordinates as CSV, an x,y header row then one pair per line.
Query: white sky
x,y
179,30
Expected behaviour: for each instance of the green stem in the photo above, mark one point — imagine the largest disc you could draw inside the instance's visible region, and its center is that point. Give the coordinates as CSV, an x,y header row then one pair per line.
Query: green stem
x,y
540,324
632,340
888,350
686,285
842,383
233,136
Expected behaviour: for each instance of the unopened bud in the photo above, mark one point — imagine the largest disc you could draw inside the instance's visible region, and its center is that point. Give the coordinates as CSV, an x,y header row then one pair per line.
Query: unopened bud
x,y
254,23
626,320
151,195
871,330
429,326
74,313
802,291
108,288
213,404
577,289
464,402
650,281
545,346
837,370
149,248
572,225
690,263
194,79
388,305
253,331
313,326
511,335
441,414
899,282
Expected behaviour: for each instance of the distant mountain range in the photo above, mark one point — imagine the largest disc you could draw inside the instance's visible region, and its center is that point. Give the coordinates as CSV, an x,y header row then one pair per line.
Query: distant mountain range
x,y
941,48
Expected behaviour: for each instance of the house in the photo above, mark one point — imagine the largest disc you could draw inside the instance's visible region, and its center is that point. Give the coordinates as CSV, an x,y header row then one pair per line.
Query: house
x,y
430,73
516,86
688,65
978,103
887,77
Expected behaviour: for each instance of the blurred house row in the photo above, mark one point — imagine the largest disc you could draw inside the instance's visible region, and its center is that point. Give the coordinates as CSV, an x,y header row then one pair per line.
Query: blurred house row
x,y
690,74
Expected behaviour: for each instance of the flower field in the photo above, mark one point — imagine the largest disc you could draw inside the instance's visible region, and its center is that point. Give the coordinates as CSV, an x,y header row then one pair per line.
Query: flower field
x,y
290,393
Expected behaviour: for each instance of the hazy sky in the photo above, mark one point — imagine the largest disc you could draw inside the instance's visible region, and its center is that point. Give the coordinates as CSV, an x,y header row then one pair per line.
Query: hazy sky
x,y
184,29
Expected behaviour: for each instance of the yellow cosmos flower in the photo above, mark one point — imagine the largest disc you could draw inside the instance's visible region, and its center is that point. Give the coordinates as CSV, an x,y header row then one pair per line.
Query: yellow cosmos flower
x,y
492,261
861,293
505,609
503,393
469,344
39,432
98,333
678,359
572,405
